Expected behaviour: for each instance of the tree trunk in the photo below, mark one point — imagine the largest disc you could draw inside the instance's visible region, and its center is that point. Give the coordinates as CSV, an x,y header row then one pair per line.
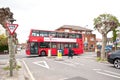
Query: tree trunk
x,y
14,51
104,40
115,46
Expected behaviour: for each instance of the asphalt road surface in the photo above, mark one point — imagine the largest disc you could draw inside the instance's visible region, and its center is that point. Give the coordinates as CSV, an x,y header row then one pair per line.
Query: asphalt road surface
x,y
82,67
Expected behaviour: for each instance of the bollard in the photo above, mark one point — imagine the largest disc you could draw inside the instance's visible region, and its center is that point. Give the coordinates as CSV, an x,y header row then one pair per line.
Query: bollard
x,y
59,56
49,53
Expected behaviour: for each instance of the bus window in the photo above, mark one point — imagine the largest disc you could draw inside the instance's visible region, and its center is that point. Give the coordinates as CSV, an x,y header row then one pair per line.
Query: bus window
x,y
60,35
63,35
56,34
53,45
66,35
70,45
53,34
44,45
78,36
35,33
66,45
73,35
44,34
70,35
75,45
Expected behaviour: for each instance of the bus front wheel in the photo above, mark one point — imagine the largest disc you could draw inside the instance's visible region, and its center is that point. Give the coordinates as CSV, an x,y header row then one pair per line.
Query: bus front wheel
x,y
43,53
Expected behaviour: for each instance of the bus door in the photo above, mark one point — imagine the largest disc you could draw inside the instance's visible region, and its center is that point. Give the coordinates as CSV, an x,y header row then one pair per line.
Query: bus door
x,y
34,48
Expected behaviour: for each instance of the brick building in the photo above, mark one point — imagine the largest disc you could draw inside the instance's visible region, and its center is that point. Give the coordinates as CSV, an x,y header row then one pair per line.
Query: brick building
x,y
89,39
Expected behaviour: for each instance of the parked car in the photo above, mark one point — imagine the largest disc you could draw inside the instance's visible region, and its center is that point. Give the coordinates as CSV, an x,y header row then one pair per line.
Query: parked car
x,y
114,58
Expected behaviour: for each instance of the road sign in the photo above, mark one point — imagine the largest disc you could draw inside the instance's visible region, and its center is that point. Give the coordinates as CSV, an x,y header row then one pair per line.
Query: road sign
x,y
12,28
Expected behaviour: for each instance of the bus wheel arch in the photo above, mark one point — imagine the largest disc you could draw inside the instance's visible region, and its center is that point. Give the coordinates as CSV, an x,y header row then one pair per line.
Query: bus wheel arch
x,y
43,53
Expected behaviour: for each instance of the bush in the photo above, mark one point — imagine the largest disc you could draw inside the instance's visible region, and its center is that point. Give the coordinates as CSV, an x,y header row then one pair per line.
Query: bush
x,y
8,68
3,47
3,43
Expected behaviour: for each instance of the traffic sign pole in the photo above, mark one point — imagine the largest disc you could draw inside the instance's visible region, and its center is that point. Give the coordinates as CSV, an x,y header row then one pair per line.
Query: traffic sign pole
x,y
11,29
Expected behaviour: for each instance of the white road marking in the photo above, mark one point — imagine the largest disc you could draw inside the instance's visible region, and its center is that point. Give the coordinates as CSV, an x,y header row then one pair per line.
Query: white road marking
x,y
108,74
63,78
96,69
69,64
32,78
76,63
42,64
112,72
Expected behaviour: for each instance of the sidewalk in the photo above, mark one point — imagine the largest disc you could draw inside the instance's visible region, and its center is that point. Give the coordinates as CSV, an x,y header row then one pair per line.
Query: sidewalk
x,y
17,74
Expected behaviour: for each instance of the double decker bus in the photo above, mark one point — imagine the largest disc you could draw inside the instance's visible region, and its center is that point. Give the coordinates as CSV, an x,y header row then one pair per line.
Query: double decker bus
x,y
40,41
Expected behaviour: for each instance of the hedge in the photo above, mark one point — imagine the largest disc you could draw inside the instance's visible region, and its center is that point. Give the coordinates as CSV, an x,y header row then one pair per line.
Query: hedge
x,y
3,47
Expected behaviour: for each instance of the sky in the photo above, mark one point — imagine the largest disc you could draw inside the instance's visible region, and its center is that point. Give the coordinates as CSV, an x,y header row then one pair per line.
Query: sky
x,y
52,14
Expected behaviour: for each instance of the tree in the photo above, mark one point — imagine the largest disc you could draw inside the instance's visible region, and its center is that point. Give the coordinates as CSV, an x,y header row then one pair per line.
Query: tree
x,y
5,14
105,23
115,37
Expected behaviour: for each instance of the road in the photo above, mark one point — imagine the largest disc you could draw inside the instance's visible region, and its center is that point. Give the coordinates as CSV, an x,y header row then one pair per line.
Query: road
x,y
83,67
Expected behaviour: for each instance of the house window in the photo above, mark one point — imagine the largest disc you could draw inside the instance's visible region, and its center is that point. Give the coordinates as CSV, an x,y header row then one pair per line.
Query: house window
x,y
73,31
92,39
67,30
92,46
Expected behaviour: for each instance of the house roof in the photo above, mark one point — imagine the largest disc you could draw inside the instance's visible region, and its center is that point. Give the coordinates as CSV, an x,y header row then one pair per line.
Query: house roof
x,y
73,27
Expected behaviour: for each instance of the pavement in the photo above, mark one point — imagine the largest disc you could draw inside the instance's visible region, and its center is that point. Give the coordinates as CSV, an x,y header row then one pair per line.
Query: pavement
x,y
20,74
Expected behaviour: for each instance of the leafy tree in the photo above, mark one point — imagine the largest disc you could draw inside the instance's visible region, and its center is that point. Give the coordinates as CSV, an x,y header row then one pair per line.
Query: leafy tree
x,y
105,23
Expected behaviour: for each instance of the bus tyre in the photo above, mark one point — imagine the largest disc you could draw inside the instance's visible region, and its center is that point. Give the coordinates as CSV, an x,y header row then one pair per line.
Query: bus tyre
x,y
43,53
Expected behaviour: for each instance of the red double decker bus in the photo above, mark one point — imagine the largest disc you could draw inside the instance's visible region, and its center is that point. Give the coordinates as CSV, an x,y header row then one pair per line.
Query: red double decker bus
x,y
40,41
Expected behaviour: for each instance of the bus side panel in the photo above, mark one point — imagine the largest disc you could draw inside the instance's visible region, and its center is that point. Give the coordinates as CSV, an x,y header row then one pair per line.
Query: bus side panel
x,y
79,41
78,51
28,52
43,49
65,52
81,47
28,49
54,51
